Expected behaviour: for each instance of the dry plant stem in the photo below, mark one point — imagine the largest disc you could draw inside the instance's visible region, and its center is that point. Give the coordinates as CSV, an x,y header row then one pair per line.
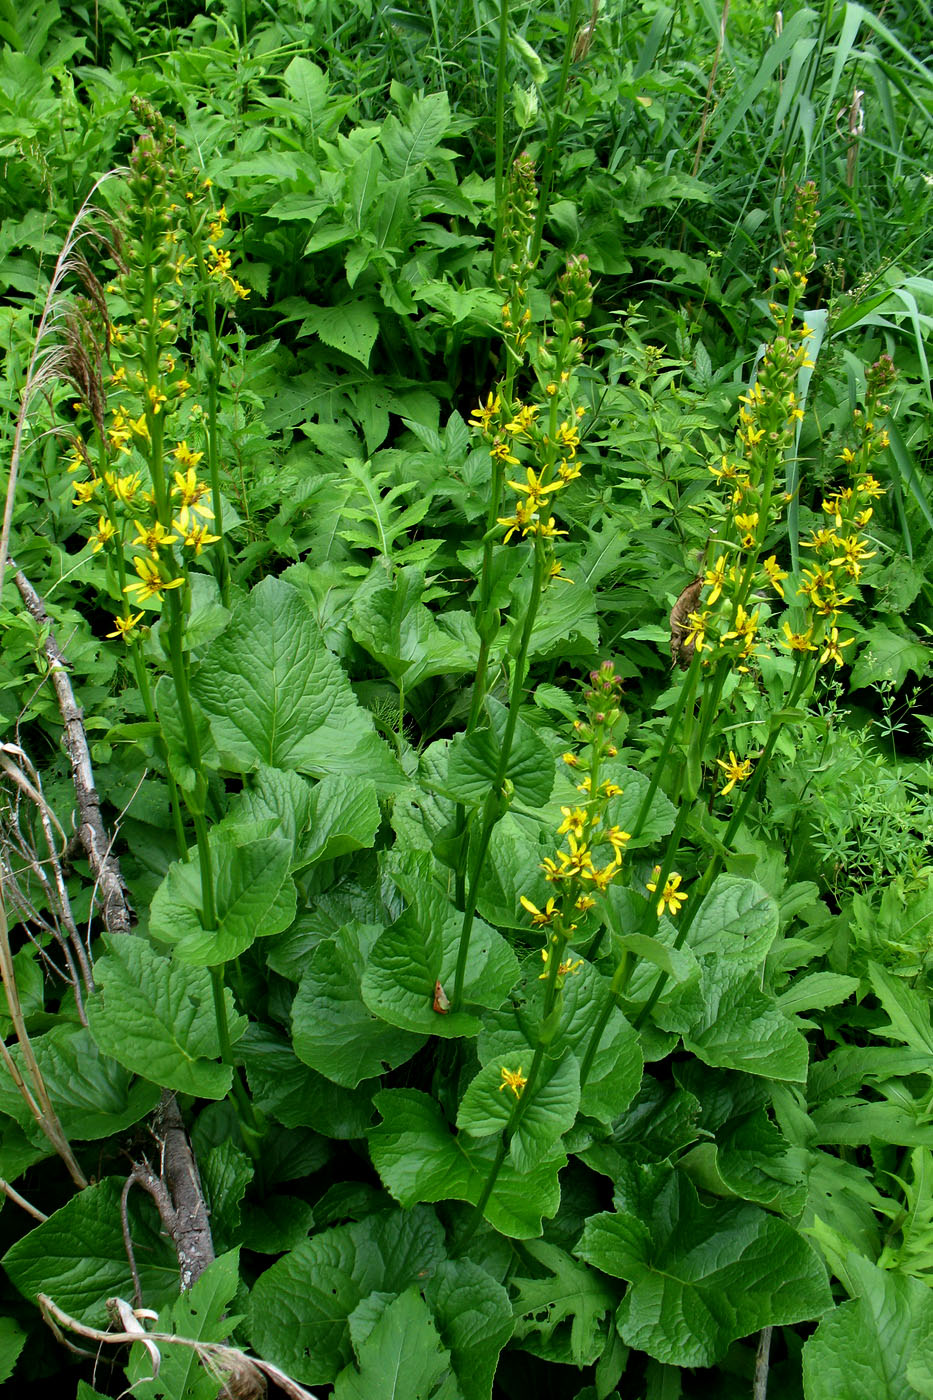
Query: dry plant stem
x,y
27,1206
116,911
760,1389
709,88
214,1356
47,362
39,1103
554,125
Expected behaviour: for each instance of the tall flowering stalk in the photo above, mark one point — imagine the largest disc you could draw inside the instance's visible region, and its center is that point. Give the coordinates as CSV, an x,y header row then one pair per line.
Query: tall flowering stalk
x,y
533,444
149,509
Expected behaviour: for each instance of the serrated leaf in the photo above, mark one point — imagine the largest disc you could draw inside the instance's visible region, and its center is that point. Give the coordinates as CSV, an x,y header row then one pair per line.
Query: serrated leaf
x,y
702,1276
332,1028
351,327
403,1356
157,1018
345,817
866,1347
473,762
473,1315
487,1106
570,1291
737,920
253,898
199,1314
276,695
297,1096
420,1159
299,1309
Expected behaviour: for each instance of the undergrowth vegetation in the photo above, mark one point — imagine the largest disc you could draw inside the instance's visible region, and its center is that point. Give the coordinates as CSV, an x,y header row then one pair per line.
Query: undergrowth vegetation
x,y
467,917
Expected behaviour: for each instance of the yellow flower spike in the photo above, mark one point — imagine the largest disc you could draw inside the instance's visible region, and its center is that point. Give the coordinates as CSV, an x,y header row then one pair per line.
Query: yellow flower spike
x,y
152,537
775,573
513,1079
151,583
736,770
832,650
672,897
539,917
123,626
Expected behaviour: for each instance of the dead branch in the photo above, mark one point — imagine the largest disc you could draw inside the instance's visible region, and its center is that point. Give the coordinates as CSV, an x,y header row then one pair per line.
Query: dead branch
x,y
21,1201
245,1375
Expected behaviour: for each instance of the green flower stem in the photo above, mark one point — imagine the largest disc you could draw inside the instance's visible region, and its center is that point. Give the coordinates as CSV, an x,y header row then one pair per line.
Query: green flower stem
x,y
145,690
213,430
492,807
802,674
554,124
684,702
522,1103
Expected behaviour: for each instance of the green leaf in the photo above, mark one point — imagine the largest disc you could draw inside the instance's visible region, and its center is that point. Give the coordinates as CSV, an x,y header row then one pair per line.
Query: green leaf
x,y
487,1106
157,1018
473,762
728,1022
570,1290
12,1340
226,1172
420,1159
474,1316
253,897
887,656
351,327
399,632
308,86
297,1096
300,1308
737,920
276,695
78,1255
93,1095
415,953
702,1276
345,817
408,145
273,795
512,869
908,1011
402,1357
199,1314
333,1030
866,1347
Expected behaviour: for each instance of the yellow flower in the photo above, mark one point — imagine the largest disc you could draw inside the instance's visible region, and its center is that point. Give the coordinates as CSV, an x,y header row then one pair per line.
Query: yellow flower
x,y
103,534
576,860
610,789
185,457
574,821
124,488
533,487
192,494
482,416
671,896
585,903
156,398
124,625
568,471
546,531
524,419
775,574
618,839
697,635
832,647
152,537
539,917
567,967
736,770
570,759
798,641
715,578
151,583
85,491
500,450
555,573
195,536
513,1079
139,426
568,437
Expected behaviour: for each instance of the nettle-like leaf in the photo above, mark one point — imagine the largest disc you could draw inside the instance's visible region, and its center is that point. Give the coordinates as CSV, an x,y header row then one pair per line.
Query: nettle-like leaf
x,y
380,523
156,1018
569,1292
200,1314
402,1355
391,622
78,1255
876,1344
254,897
333,1029
297,1096
738,920
420,1159
473,1316
702,1276
487,1105
276,695
300,1308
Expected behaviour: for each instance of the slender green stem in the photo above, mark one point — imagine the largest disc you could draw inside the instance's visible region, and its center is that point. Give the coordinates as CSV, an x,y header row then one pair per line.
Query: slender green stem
x,y
683,702
491,810
500,128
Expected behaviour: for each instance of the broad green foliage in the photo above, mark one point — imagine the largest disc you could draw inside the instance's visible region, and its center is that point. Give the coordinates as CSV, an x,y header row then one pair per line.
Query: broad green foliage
x,y
474,474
